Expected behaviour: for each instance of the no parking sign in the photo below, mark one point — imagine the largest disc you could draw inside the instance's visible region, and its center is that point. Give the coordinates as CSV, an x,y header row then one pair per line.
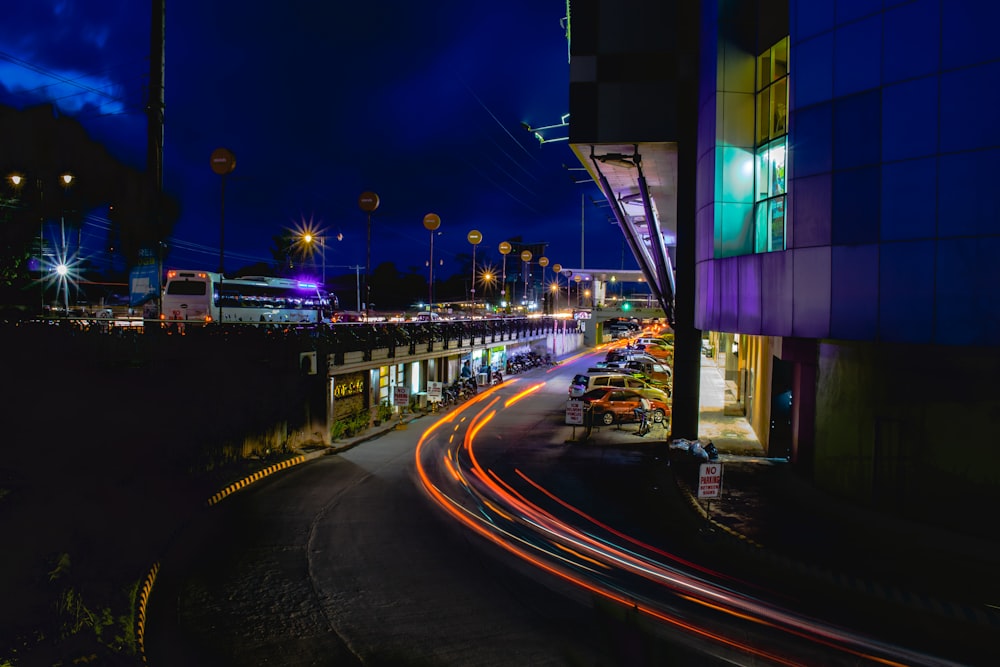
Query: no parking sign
x,y
710,480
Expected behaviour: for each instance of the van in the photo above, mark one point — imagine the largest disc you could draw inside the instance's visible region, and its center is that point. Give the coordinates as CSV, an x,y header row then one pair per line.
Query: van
x,y
652,341
581,383
651,370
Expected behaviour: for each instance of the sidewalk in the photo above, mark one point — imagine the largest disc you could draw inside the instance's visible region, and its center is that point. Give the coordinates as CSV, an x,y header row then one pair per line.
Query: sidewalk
x,y
770,513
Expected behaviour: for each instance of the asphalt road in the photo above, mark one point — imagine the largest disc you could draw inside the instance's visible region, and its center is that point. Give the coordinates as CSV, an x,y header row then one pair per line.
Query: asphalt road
x,y
346,560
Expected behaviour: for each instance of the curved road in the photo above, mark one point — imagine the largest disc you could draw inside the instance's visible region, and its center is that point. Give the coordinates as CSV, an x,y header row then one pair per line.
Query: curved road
x,y
367,557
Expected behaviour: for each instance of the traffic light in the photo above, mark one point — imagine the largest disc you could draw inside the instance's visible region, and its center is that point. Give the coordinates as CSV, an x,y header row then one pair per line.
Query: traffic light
x,y
626,306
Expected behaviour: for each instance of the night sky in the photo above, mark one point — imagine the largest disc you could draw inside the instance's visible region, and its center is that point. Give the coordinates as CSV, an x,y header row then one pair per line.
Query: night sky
x,y
319,102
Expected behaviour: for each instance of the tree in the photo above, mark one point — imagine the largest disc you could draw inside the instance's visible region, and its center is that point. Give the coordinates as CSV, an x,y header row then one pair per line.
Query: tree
x,y
41,146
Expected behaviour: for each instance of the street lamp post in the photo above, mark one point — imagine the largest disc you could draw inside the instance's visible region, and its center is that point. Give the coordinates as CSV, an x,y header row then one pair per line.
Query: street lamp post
x,y
308,238
431,222
475,238
543,262
368,201
504,250
526,258
557,269
223,162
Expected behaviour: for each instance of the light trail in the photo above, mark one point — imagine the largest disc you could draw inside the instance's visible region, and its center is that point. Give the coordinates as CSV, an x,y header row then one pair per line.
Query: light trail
x,y
605,565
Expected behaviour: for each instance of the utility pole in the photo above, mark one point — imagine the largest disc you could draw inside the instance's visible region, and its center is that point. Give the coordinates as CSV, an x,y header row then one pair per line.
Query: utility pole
x,y
154,141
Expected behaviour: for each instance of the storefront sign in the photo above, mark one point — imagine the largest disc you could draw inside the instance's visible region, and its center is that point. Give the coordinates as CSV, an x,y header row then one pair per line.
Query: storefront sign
x,y
348,385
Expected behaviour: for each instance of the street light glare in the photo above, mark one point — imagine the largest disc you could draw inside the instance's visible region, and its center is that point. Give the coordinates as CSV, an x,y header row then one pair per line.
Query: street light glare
x,y
62,269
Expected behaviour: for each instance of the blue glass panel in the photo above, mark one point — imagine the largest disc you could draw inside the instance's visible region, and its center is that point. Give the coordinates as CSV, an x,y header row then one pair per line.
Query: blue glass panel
x,y
910,119
813,17
909,200
906,291
970,98
849,10
967,306
969,33
857,130
856,208
811,203
911,40
814,62
856,57
854,289
811,148
966,183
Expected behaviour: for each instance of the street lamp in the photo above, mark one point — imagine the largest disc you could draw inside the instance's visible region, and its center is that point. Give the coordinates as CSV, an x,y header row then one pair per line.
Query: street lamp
x,y
504,250
475,238
368,202
431,222
486,278
526,258
543,262
557,269
308,238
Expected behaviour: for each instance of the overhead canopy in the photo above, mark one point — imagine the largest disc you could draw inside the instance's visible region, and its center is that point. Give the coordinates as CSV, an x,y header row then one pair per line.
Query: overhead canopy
x,y
639,182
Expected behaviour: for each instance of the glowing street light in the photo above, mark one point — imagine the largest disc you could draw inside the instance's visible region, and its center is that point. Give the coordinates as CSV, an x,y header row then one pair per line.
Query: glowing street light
x,y
308,238
557,269
486,279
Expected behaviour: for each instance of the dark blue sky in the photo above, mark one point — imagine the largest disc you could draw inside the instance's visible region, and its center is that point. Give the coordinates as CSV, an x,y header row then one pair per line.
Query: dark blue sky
x,y
320,101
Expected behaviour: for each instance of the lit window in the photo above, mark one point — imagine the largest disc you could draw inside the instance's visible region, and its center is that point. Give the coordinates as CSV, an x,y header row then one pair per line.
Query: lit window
x,y
771,140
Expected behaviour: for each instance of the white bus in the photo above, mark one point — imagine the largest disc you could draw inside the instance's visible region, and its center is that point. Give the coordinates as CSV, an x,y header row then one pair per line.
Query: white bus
x,y
203,296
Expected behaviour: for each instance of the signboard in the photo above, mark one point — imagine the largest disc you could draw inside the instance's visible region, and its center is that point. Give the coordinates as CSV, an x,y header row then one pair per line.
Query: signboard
x,y
144,284
400,395
434,390
710,480
574,412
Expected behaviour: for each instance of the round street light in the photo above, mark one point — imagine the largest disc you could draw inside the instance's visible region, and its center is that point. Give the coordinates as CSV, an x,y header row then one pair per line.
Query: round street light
x,y
543,262
557,269
368,202
431,222
505,249
526,258
475,238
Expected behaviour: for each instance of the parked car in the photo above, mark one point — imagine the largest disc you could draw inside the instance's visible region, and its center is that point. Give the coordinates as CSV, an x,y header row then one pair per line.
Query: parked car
x,y
583,383
651,370
613,404
657,394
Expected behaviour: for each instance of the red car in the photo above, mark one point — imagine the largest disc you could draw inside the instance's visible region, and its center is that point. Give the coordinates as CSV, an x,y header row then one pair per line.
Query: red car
x,y
615,404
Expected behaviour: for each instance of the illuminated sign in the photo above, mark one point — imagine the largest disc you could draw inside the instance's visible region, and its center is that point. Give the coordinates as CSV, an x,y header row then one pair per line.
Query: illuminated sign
x,y
350,385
